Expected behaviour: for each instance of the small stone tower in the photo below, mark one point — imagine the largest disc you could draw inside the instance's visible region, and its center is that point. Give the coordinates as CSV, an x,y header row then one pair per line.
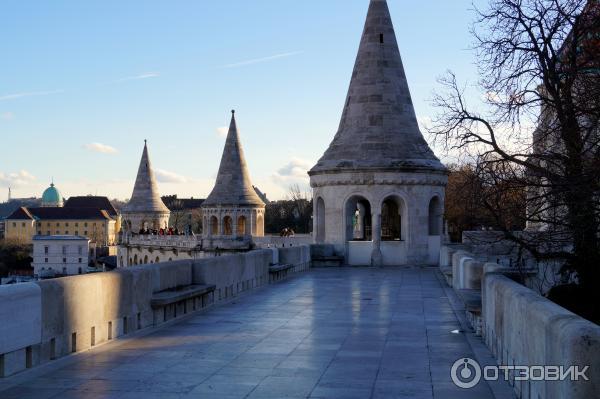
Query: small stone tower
x,y
145,209
379,189
233,210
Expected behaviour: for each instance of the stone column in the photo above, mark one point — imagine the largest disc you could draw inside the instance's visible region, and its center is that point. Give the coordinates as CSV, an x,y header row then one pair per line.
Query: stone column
x,y
376,256
221,224
234,224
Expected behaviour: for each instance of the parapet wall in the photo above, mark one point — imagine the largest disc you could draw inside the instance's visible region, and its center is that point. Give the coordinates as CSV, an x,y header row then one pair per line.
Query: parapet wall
x,y
50,319
523,328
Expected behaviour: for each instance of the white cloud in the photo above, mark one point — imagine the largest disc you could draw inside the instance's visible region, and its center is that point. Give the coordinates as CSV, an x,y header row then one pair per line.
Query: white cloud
x,y
294,172
14,96
297,167
222,131
17,179
425,123
7,116
164,176
147,75
101,148
261,60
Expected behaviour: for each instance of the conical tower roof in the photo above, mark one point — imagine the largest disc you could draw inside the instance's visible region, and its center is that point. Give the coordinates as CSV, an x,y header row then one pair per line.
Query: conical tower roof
x,y
145,197
379,128
233,185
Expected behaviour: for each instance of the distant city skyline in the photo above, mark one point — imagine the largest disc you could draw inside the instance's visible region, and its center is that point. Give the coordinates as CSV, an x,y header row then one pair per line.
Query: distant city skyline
x,y
86,83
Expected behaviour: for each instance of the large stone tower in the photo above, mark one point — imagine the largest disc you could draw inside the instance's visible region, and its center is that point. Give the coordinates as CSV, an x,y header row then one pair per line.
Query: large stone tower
x,y
379,189
233,210
145,209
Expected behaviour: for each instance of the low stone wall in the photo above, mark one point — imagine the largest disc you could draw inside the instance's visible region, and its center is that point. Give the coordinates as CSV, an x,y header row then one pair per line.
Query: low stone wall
x,y
50,319
524,328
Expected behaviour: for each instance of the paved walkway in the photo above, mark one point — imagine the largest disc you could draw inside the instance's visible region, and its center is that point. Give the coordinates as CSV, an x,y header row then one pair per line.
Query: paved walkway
x,y
335,333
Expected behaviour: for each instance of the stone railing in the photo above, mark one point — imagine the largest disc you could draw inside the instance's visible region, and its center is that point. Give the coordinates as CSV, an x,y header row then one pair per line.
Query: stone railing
x,y
521,327
49,319
283,242
181,242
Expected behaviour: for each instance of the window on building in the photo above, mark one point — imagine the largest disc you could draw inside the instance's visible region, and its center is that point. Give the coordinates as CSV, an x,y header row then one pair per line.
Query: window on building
x,y
14,224
80,250
23,224
64,260
57,232
80,260
85,224
46,249
57,224
80,270
76,224
66,232
46,260
39,233
85,233
76,233
64,249
67,224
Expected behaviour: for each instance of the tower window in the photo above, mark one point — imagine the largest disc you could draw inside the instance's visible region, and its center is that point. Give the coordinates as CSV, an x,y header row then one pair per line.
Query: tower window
x,y
381,38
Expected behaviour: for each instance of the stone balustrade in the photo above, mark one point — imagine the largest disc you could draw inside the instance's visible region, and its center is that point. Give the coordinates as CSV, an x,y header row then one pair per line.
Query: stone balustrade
x,y
49,319
522,327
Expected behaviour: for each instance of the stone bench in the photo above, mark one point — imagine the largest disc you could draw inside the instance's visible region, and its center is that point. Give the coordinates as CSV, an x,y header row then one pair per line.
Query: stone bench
x,y
279,272
170,304
447,273
471,299
328,261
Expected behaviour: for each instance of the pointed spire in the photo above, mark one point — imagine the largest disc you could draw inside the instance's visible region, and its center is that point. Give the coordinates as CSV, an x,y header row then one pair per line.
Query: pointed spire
x,y
233,185
378,128
145,197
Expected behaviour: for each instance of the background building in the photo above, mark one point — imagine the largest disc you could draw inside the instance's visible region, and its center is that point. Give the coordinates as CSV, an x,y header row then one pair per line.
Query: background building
x,y
60,255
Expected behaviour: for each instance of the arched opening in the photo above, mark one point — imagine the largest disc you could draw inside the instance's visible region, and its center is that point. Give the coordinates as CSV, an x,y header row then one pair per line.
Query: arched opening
x,y
435,217
241,226
157,260
135,259
358,219
393,211
214,226
227,226
146,260
320,222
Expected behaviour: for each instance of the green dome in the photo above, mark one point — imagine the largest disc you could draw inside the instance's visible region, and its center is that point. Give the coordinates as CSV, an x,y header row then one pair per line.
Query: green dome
x,y
52,197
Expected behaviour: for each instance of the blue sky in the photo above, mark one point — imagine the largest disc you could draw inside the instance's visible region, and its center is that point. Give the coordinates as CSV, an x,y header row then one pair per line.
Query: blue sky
x,y
83,83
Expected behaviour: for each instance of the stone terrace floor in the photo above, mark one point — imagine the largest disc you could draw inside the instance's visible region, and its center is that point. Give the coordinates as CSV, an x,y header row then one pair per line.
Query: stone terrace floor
x,y
330,333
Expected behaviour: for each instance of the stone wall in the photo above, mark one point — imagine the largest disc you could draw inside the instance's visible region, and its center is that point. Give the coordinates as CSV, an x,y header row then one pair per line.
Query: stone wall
x,y
50,319
522,327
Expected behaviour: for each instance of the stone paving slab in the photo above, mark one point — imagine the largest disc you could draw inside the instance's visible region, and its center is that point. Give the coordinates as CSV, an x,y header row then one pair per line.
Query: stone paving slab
x,y
331,333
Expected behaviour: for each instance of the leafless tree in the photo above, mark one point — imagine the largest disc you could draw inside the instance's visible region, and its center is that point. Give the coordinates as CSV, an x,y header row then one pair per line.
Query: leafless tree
x,y
539,66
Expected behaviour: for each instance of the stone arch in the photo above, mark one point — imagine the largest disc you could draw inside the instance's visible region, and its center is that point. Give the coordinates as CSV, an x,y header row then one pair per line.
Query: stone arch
x,y
135,259
241,226
394,218
214,226
227,226
435,216
358,219
157,260
146,260
320,221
